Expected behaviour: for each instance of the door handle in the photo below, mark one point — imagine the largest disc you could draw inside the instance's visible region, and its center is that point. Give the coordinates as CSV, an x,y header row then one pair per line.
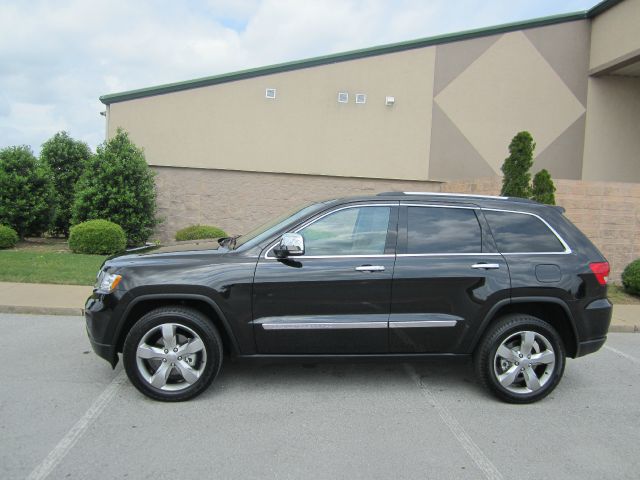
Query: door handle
x,y
486,266
370,268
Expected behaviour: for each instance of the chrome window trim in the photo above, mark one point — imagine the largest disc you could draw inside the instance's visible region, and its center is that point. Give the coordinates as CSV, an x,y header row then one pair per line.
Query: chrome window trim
x,y
567,249
390,204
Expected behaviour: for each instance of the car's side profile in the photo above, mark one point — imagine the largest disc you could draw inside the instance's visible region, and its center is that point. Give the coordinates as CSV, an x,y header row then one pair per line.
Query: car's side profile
x,y
509,281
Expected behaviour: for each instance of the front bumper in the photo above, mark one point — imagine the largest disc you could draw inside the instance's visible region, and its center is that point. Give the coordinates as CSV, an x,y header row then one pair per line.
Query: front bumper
x,y
98,316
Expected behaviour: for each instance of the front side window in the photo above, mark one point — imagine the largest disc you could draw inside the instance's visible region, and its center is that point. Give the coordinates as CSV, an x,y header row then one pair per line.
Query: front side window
x,y
436,230
351,231
522,233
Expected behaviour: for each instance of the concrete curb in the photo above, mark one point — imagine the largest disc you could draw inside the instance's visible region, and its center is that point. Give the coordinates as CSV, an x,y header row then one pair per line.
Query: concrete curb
x,y
624,328
42,310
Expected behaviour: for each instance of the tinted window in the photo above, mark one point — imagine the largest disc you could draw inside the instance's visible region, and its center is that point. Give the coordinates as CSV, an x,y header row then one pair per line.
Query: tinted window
x,y
520,233
352,231
443,230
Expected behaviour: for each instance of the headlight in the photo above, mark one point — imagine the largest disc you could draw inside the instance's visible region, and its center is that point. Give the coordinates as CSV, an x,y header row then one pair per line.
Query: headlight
x,y
107,282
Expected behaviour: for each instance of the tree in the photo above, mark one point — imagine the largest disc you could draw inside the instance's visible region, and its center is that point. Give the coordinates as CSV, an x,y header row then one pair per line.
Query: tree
x,y
27,196
543,188
516,180
118,186
67,159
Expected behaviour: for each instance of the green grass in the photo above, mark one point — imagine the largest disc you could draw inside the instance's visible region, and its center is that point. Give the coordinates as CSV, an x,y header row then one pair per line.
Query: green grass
x,y
618,296
35,266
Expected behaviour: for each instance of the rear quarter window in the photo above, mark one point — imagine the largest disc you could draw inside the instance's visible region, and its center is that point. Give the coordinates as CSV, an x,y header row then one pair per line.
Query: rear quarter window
x,y
522,233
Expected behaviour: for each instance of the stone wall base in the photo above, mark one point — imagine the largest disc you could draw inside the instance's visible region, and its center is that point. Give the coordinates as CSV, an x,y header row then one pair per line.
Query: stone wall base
x,y
607,212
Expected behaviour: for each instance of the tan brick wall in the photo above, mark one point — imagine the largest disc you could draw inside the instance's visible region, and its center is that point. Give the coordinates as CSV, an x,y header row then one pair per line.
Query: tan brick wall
x,y
608,212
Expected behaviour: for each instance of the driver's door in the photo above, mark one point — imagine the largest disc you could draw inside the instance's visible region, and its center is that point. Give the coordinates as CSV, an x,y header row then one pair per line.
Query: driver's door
x,y
336,298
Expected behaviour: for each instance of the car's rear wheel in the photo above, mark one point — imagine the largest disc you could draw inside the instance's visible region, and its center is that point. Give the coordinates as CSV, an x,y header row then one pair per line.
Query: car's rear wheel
x,y
172,354
521,358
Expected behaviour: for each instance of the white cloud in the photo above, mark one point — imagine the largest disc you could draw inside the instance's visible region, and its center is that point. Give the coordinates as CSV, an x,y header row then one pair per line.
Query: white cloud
x,y
57,58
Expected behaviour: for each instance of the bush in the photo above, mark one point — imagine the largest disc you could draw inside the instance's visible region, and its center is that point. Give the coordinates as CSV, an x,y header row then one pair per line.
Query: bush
x,y
197,232
631,278
517,178
118,186
27,196
543,188
99,237
8,237
67,159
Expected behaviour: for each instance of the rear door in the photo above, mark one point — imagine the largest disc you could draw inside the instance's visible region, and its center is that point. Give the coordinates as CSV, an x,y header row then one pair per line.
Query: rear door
x,y
336,298
447,275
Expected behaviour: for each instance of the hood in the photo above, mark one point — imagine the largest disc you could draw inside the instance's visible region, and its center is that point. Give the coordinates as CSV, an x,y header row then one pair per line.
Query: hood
x,y
167,253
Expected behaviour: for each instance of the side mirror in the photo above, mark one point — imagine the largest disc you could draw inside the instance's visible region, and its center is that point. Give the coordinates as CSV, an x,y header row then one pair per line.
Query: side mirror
x,y
291,245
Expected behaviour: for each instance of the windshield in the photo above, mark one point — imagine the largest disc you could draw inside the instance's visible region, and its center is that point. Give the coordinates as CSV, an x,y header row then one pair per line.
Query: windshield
x,y
265,230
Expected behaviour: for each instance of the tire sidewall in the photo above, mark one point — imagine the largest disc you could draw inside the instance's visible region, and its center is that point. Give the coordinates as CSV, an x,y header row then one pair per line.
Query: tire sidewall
x,y
206,332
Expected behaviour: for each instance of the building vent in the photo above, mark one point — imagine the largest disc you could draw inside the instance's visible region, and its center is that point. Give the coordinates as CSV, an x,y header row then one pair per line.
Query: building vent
x,y
361,98
343,97
389,101
270,93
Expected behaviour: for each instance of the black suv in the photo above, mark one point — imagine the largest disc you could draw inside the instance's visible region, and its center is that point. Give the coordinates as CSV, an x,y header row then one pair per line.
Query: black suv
x,y
397,275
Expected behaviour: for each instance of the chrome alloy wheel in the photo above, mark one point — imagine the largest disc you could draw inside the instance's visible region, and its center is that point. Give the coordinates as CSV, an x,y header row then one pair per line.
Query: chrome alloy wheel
x,y
171,357
524,362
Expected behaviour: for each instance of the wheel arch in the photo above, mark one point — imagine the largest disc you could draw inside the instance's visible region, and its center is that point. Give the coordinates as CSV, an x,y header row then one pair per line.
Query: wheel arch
x,y
552,310
143,304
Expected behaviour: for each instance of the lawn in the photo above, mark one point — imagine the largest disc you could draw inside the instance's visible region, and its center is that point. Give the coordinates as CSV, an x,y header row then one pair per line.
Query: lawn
x,y
618,296
48,261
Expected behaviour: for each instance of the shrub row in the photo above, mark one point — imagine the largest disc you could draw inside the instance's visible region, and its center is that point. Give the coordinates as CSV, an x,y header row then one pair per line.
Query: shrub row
x,y
198,232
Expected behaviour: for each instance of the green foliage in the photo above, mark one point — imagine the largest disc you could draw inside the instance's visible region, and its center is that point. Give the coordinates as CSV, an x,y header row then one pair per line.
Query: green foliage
x,y
8,237
27,195
118,185
197,232
631,277
67,159
516,180
99,237
543,188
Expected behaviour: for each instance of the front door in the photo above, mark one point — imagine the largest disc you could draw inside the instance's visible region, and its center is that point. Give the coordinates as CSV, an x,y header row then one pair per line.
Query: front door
x,y
334,299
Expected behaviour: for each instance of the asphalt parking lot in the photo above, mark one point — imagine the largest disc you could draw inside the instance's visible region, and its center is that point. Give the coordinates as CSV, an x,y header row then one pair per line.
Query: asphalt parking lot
x,y
65,414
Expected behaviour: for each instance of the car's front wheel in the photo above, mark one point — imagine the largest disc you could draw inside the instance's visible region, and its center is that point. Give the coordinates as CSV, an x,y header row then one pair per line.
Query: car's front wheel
x,y
521,358
172,353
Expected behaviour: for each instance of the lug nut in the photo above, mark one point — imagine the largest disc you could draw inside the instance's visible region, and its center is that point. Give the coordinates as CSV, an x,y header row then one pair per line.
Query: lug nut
x,y
517,363
528,356
175,349
179,358
164,359
166,351
520,355
529,364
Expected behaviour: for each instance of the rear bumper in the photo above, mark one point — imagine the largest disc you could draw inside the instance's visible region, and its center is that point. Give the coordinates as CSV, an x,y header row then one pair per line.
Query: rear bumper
x,y
597,318
98,318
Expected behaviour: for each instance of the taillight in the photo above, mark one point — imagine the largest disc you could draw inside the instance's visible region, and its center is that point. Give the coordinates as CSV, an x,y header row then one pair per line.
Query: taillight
x,y
601,271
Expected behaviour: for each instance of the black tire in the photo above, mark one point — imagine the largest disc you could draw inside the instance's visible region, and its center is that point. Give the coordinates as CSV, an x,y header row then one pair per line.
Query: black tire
x,y
512,329
186,323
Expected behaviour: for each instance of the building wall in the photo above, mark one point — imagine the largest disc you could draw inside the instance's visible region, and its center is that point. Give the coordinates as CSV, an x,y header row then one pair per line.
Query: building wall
x,y
457,107
615,35
612,143
608,212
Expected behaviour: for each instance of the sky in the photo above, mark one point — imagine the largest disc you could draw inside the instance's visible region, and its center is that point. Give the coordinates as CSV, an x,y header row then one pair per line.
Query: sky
x,y
57,57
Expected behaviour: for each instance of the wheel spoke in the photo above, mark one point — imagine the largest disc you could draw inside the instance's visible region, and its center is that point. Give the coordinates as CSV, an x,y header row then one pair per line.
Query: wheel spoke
x,y
159,379
189,374
507,353
194,346
531,379
545,357
508,377
527,339
147,351
169,335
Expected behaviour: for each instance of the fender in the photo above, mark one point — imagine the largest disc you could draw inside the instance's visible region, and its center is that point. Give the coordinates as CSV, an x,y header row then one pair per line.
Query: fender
x,y
180,296
508,301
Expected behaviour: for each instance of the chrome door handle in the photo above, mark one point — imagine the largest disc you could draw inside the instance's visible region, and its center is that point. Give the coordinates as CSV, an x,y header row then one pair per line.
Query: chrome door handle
x,y
486,266
370,268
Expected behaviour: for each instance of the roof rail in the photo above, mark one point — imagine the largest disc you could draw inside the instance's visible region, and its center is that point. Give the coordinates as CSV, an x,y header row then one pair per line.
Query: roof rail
x,y
443,194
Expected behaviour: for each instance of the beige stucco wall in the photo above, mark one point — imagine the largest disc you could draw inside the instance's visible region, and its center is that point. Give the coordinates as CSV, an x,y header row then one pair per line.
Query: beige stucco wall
x,y
304,130
612,141
615,33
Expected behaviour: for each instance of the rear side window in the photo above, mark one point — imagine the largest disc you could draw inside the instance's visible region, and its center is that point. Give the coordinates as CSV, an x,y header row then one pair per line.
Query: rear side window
x,y
443,230
521,233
